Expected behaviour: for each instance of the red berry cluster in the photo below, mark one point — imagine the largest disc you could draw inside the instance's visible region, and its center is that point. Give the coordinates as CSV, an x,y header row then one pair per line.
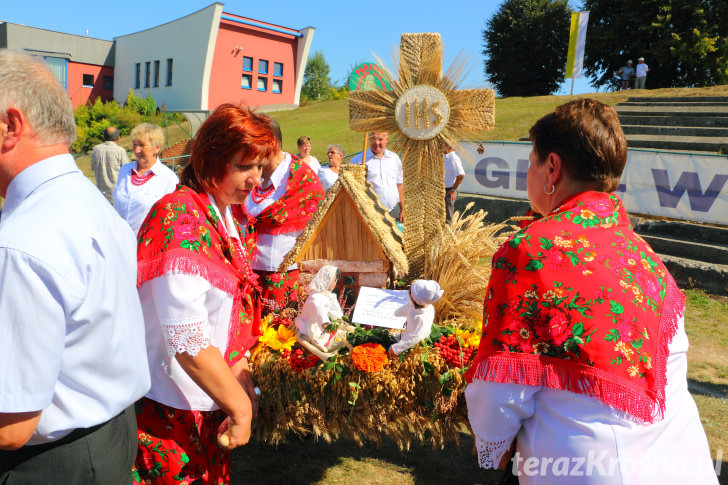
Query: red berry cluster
x,y
298,361
451,351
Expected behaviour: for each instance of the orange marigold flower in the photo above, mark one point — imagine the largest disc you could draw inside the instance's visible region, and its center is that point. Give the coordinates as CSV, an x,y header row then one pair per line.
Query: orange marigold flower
x,y
369,357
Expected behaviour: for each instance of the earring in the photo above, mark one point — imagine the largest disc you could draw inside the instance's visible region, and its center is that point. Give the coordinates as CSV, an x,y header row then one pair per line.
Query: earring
x,y
553,189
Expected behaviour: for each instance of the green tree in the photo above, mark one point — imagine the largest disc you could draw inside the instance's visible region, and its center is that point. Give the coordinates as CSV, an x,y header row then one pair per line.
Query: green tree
x,y
316,82
684,42
525,45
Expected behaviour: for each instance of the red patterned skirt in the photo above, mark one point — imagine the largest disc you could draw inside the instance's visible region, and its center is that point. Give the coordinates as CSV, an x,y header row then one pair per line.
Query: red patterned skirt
x,y
278,290
177,446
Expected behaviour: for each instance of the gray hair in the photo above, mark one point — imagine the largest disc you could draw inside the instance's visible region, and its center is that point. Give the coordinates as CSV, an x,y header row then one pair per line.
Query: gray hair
x,y
29,86
154,133
337,148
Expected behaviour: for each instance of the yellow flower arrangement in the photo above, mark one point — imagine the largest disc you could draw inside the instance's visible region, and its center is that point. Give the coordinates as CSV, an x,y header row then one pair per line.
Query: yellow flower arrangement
x,y
281,338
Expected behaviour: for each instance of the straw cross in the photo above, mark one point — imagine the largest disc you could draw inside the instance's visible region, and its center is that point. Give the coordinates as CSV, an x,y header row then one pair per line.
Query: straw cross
x,y
423,111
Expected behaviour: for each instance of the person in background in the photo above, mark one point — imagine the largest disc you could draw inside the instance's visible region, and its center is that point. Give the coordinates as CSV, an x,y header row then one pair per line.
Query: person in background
x,y
304,154
143,182
197,292
626,74
384,172
640,74
329,175
454,175
278,212
72,356
583,352
106,160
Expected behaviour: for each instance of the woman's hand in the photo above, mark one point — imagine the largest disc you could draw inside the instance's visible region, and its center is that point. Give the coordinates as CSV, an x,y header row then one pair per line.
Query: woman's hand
x,y
232,434
241,371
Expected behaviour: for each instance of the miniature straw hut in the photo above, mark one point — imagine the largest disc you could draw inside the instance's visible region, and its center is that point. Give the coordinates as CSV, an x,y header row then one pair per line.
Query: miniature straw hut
x,y
352,231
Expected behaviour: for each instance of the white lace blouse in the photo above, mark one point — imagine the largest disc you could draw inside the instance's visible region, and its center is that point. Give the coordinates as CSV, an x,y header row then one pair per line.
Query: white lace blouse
x,y
568,438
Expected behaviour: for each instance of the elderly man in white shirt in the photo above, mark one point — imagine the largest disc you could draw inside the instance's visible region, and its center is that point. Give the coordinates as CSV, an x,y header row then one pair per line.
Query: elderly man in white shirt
x,y
72,349
384,172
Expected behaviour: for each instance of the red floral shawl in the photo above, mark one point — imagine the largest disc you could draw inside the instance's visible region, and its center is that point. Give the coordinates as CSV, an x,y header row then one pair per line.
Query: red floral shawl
x,y
292,211
577,301
183,233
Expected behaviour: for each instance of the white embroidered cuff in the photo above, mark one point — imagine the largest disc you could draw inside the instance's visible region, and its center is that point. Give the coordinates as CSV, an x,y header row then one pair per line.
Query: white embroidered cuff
x,y
490,453
186,336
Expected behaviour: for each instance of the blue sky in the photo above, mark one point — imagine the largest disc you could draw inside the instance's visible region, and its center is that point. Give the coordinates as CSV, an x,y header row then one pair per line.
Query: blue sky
x,y
347,32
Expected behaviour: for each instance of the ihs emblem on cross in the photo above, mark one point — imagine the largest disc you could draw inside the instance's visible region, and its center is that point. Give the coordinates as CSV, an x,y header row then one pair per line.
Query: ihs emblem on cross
x,y
423,111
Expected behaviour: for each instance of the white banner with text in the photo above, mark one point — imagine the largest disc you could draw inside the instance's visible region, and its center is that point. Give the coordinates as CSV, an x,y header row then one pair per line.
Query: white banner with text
x,y
685,186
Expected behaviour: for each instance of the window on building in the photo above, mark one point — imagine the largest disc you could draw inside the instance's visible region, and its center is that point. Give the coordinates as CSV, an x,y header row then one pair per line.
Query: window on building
x,y
278,69
169,72
147,74
262,66
247,64
88,80
138,78
156,74
108,83
247,82
277,86
262,84
57,65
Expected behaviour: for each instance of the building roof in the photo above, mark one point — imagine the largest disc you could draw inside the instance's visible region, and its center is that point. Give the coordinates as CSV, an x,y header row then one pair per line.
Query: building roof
x,y
179,149
352,182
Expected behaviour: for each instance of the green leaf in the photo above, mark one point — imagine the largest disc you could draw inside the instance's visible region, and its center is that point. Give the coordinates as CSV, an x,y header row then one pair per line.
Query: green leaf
x,y
616,307
329,365
534,265
612,336
577,329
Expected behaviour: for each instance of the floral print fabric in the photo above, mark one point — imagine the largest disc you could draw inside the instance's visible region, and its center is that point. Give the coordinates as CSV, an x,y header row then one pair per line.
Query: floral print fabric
x,y
577,301
183,233
177,447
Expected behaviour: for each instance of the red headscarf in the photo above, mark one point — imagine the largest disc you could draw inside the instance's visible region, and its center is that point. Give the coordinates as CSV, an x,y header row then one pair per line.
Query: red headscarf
x,y
577,301
183,233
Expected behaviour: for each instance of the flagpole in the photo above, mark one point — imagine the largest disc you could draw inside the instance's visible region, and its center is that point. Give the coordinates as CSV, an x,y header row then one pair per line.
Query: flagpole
x,y
572,86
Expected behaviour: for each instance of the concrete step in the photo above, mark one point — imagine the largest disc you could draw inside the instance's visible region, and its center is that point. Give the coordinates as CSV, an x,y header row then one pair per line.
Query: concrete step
x,y
674,120
672,103
688,143
674,130
691,249
678,99
689,273
684,230
695,111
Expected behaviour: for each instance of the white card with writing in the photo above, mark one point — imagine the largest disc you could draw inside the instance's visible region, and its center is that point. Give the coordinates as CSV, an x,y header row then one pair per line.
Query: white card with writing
x,y
375,306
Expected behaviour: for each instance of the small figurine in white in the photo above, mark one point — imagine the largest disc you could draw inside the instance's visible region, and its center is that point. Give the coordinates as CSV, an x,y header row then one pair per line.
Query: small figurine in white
x,y
320,310
420,315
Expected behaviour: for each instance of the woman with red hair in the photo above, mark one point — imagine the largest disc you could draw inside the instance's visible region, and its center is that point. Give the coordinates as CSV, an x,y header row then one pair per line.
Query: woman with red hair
x,y
196,288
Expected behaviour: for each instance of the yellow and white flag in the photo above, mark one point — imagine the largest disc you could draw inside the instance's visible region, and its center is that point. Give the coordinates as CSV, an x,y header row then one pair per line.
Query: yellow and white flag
x,y
577,40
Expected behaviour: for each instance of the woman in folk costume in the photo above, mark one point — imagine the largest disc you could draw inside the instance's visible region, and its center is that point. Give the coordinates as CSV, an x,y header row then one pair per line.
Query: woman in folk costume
x,y
196,288
278,212
582,361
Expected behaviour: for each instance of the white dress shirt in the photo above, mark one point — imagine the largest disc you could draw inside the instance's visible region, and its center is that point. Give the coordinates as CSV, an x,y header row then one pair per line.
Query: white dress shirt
x,y
71,326
270,249
453,168
184,313
134,201
419,325
384,174
551,424
327,177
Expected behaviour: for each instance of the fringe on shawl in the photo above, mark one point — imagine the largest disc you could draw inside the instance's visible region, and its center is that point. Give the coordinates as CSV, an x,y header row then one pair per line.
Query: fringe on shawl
x,y
534,370
182,261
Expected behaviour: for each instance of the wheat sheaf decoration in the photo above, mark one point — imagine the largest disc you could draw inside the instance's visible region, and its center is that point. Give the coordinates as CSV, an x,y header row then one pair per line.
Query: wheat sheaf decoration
x,y
422,112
